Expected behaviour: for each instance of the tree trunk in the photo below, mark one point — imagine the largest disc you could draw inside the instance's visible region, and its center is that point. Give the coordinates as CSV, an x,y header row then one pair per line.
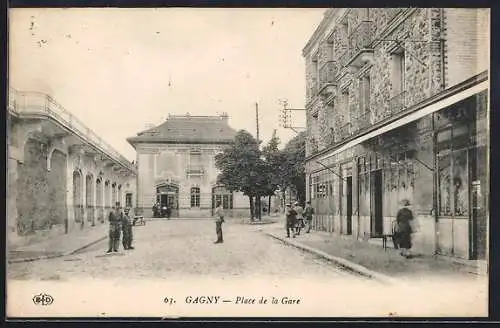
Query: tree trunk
x,y
269,207
257,207
251,207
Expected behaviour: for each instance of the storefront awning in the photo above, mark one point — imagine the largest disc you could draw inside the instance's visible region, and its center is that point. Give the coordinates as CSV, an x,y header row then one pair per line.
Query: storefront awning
x,y
445,99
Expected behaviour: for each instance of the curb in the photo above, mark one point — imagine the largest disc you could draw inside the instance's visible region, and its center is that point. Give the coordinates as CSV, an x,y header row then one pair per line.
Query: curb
x,y
359,269
48,257
259,223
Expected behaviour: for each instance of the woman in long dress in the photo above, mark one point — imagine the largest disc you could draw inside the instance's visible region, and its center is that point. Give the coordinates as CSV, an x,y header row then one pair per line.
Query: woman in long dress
x,y
404,221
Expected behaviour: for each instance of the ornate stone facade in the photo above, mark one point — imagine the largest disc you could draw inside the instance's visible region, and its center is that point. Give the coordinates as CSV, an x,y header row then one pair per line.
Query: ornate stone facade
x,y
61,177
179,155
374,130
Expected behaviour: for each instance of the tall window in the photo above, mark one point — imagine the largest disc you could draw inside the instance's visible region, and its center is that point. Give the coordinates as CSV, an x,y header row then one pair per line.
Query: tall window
x,y
365,94
315,73
128,200
195,158
398,72
346,111
195,197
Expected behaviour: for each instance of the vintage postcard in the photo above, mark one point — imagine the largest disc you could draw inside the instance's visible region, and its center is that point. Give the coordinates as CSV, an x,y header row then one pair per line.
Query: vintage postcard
x,y
196,162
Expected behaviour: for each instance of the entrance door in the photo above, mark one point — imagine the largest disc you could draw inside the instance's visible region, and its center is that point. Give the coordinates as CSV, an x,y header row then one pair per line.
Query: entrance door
x,y
349,205
478,199
173,205
376,203
163,200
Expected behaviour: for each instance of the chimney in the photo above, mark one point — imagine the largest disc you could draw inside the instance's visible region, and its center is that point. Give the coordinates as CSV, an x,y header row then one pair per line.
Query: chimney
x,y
224,117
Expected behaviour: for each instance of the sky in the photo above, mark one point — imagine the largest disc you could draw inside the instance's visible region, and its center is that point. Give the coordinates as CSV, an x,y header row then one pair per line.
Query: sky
x,y
120,70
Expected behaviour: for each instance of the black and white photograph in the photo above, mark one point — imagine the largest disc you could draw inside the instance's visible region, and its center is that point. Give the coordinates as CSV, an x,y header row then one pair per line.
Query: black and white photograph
x,y
248,162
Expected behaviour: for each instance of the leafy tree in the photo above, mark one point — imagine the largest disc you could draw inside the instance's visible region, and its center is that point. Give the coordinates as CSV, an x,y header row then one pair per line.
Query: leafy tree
x,y
292,170
241,168
273,158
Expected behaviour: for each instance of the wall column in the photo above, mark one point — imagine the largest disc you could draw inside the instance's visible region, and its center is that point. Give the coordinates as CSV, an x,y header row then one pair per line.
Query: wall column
x,y
93,184
83,198
12,214
70,219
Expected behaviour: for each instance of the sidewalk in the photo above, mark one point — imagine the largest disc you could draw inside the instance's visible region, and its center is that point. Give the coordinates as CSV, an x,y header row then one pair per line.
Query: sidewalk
x,y
372,260
59,245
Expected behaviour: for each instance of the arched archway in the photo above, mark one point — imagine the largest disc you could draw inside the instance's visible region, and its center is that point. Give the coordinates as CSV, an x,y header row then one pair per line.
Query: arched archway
x,y
107,196
99,199
168,194
78,197
113,195
57,184
32,196
120,199
89,199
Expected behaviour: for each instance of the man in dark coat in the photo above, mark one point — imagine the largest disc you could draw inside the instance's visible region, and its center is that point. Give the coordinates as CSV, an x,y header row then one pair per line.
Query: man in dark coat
x,y
219,219
115,218
127,230
404,221
291,220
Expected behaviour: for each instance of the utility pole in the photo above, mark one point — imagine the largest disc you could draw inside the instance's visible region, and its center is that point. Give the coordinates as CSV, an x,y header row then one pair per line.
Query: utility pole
x,y
257,121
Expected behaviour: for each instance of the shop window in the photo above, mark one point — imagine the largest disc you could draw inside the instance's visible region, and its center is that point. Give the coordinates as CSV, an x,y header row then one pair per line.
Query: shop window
x,y
460,183
444,175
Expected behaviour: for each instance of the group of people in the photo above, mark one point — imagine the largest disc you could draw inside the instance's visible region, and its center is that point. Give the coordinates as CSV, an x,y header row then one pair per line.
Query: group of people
x,y
120,222
298,218
295,217
160,210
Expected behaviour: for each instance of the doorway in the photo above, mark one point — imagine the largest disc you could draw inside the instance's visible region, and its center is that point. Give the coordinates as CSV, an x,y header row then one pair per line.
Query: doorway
x,y
376,218
478,198
163,200
349,205
168,194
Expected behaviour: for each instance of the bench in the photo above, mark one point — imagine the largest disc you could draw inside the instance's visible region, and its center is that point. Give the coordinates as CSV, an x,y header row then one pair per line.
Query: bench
x,y
139,219
385,236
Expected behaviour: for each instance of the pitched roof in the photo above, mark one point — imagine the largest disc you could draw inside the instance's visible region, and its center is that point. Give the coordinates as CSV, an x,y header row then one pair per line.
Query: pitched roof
x,y
188,129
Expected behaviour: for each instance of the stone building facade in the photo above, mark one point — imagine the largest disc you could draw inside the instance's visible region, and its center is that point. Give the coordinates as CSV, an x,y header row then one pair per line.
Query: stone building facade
x,y
61,177
397,107
176,166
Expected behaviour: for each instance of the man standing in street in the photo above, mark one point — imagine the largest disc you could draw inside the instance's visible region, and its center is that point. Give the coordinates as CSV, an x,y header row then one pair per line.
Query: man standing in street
x,y
308,213
127,230
219,219
300,219
114,229
291,220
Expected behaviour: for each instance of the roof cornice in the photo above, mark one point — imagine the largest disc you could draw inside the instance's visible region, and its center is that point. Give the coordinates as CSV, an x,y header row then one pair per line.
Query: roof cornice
x,y
133,141
329,13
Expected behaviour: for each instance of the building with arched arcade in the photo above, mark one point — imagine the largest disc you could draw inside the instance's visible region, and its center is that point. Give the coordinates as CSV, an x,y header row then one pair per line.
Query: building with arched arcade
x,y
176,166
61,176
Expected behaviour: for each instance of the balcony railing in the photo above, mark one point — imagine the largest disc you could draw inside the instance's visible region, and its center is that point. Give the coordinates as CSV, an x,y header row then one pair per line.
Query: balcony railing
x,y
345,130
361,37
363,120
327,73
312,89
40,103
397,103
195,170
344,58
393,12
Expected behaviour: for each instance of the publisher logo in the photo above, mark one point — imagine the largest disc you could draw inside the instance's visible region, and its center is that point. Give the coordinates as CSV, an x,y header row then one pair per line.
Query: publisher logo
x,y
43,299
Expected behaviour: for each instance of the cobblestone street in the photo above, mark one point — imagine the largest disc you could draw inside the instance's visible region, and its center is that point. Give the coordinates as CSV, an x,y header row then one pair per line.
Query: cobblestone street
x,y
184,247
